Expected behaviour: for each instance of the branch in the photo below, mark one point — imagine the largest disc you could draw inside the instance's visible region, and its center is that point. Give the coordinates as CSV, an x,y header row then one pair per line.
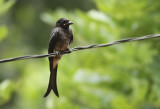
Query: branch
x,y
81,48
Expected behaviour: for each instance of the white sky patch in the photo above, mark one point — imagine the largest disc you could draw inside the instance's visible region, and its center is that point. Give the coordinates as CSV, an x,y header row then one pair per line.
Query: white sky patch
x,y
83,76
100,16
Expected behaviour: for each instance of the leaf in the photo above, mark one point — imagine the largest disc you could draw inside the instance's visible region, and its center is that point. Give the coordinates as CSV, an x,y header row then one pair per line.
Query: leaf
x,y
5,6
3,32
6,88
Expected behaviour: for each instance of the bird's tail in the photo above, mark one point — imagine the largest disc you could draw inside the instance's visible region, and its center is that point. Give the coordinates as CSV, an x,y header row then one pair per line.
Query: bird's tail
x,y
52,81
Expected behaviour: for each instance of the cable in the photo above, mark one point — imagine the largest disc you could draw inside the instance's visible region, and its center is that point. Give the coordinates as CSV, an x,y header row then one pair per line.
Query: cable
x,y
81,48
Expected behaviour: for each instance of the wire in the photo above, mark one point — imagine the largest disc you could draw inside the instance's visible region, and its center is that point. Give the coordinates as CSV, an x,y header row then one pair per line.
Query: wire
x,y
81,48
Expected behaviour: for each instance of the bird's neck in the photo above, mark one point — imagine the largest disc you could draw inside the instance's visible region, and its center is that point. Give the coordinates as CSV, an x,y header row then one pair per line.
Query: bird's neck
x,y
65,28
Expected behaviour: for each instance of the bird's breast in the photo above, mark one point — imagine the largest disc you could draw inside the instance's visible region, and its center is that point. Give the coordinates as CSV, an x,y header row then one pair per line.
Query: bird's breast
x,y
62,42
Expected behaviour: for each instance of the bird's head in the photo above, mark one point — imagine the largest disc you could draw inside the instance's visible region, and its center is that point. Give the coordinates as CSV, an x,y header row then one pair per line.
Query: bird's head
x,y
63,23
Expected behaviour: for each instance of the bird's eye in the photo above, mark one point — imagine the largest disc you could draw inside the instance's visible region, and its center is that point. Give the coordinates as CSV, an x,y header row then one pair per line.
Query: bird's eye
x,y
65,21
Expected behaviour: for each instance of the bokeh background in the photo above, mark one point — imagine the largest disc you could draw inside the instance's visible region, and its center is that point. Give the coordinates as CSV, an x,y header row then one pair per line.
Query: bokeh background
x,y
124,76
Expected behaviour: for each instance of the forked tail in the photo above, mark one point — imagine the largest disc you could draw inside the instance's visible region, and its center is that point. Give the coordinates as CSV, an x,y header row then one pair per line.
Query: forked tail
x,y
52,81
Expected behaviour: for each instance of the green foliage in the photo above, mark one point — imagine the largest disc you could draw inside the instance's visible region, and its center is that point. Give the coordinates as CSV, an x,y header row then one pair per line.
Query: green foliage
x,y
124,76
6,88
3,31
5,6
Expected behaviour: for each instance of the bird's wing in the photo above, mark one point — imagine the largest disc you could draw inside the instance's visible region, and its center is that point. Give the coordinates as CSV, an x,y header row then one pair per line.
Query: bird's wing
x,y
52,40
71,39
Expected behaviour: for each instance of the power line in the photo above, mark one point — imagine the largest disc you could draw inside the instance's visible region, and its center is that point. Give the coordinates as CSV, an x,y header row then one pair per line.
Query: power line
x,y
81,48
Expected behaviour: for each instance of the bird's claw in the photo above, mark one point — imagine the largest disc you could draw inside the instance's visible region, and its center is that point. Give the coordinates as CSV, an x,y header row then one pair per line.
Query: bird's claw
x,y
57,53
68,50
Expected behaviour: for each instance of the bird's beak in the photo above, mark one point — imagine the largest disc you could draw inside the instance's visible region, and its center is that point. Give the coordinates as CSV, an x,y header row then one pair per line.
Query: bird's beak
x,y
70,23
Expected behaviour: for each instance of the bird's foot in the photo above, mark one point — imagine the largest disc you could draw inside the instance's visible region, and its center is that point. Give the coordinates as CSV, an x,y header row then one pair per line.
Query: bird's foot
x,y
68,50
57,53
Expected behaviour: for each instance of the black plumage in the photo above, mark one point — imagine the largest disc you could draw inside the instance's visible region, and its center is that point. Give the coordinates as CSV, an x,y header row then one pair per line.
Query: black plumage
x,y
60,38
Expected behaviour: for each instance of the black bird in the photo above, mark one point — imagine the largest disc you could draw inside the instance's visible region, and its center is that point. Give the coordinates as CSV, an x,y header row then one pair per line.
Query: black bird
x,y
60,38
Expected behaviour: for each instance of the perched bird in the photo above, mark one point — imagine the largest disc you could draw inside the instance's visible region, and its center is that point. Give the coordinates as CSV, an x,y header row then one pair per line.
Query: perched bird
x,y
60,38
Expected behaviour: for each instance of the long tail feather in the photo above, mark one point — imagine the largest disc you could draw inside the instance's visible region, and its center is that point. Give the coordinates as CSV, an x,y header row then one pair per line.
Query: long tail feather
x,y
53,81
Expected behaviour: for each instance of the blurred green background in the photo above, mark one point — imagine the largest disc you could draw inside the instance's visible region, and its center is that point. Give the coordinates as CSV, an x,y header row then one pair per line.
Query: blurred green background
x,y
124,76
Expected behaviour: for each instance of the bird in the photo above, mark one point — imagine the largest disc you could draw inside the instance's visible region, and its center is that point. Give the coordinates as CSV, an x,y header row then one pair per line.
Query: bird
x,y
60,39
